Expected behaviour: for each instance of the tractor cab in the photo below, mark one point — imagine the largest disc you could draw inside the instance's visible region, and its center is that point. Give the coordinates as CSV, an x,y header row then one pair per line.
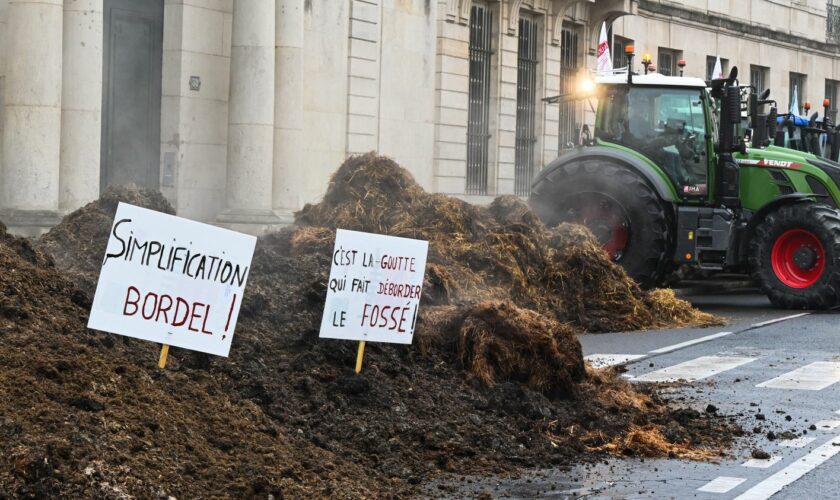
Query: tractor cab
x,y
666,119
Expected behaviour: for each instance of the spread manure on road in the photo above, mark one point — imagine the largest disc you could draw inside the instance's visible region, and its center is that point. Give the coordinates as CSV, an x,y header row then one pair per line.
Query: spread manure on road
x,y
494,381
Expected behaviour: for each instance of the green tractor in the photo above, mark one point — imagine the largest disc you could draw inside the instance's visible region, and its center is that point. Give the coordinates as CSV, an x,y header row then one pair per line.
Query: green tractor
x,y
667,181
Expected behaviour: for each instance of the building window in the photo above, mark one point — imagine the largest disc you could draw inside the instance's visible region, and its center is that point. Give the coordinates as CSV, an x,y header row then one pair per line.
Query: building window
x,y
666,63
831,94
710,66
796,93
478,113
568,126
617,52
526,100
758,77
832,22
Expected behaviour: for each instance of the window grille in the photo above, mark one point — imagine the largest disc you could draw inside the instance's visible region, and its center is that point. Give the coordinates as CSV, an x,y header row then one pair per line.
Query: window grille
x,y
832,22
831,95
797,82
526,97
758,78
665,64
478,114
568,126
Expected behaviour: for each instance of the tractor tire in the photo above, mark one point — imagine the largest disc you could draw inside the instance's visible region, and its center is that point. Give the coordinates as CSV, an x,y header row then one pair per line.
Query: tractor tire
x,y
794,256
642,244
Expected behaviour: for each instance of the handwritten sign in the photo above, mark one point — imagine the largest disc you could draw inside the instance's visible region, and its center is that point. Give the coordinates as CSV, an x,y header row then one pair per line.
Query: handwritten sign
x,y
171,280
374,288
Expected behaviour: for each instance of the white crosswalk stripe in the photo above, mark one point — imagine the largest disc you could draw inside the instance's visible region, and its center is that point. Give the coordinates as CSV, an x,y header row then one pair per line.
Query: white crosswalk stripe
x,y
695,369
813,377
605,360
799,442
721,484
762,463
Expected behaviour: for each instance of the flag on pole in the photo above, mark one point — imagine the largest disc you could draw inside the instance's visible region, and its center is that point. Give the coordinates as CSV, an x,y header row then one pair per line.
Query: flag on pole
x,y
604,60
717,72
794,102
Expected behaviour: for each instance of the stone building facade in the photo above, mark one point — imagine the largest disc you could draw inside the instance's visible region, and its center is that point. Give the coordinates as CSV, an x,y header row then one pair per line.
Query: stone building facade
x,y
239,110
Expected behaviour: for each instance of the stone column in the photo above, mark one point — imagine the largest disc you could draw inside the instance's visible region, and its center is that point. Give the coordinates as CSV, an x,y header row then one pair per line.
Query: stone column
x,y
81,104
288,109
251,118
32,121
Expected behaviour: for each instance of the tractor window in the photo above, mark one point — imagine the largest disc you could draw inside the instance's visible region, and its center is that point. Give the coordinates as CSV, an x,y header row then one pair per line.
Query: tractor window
x,y
666,125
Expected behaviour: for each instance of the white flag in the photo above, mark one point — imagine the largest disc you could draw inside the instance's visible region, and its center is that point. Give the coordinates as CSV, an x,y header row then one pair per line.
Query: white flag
x,y
794,103
717,73
604,60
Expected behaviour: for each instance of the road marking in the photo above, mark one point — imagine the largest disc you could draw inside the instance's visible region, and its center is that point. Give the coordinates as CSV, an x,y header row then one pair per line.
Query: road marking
x,y
813,377
762,463
696,369
827,425
721,484
778,320
674,347
799,442
792,472
605,360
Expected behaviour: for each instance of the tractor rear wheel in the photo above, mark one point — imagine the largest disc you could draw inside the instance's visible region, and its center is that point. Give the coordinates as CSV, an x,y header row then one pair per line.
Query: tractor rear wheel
x,y
795,256
618,206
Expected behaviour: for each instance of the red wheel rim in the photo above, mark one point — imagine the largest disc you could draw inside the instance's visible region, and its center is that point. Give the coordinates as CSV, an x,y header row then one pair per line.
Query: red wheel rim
x,y
798,258
607,221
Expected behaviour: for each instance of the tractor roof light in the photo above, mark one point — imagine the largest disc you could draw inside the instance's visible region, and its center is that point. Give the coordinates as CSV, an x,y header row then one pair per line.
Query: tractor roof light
x,y
826,103
652,67
628,49
646,58
807,105
681,63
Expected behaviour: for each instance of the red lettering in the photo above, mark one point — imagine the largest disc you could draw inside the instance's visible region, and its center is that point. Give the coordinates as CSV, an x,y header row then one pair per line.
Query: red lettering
x,y
164,310
194,316
131,302
204,323
154,305
178,302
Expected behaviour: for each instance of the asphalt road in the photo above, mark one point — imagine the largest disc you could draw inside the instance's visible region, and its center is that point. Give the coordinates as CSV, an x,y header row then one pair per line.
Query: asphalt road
x,y
780,364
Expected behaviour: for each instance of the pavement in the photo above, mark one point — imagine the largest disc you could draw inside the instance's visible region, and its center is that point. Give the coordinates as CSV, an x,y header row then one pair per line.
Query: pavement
x,y
773,369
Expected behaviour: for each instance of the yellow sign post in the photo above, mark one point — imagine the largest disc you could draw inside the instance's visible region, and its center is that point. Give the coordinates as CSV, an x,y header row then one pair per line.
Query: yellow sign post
x,y
360,355
164,351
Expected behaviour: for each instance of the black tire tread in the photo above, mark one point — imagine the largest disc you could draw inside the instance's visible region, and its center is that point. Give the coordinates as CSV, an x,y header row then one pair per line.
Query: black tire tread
x,y
824,293
560,181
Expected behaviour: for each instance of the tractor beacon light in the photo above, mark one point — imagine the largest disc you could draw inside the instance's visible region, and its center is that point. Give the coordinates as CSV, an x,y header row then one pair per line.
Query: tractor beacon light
x,y
647,60
628,51
826,103
681,64
651,67
807,106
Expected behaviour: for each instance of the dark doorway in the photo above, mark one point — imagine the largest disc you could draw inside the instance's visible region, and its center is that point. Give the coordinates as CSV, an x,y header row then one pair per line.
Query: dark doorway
x,y
133,49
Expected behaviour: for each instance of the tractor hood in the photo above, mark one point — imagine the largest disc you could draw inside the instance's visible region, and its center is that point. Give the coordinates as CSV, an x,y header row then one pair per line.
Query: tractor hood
x,y
774,156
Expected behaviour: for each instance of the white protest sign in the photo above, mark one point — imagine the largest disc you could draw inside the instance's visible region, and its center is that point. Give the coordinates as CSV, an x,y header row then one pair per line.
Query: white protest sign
x,y
374,288
171,280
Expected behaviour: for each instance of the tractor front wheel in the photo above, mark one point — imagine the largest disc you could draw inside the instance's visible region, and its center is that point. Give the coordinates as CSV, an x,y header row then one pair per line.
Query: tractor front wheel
x,y
620,208
795,256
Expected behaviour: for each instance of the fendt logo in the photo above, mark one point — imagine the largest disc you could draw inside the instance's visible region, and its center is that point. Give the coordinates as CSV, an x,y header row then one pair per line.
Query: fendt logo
x,y
770,163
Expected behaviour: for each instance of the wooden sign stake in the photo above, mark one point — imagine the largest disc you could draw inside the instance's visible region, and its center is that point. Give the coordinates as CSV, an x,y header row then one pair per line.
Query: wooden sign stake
x,y
164,351
360,355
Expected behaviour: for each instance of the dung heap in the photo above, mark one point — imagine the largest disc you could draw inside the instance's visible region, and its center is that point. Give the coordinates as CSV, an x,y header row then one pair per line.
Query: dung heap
x,y
499,252
83,415
494,382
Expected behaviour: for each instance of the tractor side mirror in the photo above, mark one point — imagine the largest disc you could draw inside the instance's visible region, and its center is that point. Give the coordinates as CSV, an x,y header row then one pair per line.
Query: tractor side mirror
x,y
733,74
813,120
764,95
